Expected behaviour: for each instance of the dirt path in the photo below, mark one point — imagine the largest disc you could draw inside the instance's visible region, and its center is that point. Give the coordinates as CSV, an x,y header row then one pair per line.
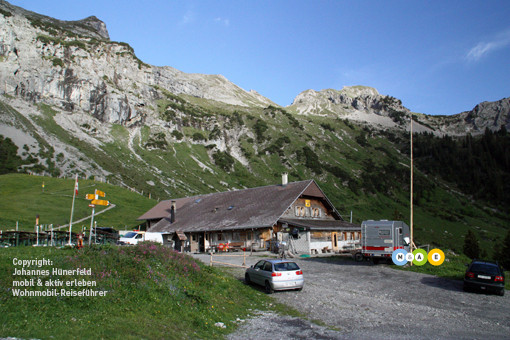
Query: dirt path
x,y
374,302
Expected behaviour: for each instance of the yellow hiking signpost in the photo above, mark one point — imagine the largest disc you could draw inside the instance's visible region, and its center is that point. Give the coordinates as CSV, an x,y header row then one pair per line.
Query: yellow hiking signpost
x,y
94,200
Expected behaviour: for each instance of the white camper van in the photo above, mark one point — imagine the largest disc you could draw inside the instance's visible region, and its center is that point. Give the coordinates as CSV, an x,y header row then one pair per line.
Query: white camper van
x,y
379,239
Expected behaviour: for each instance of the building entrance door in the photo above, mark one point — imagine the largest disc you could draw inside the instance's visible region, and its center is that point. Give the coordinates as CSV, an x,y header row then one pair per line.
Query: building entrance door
x,y
334,240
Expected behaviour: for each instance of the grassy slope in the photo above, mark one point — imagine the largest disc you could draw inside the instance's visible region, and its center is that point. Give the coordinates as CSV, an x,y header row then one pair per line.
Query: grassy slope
x,y
153,293
23,199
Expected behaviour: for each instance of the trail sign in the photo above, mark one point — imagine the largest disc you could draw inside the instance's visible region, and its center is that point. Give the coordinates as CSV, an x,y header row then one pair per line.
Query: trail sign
x,y
100,193
100,202
90,197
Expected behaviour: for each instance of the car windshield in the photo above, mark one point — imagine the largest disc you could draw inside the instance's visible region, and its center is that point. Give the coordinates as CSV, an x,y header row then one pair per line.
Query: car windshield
x,y
284,266
131,234
485,268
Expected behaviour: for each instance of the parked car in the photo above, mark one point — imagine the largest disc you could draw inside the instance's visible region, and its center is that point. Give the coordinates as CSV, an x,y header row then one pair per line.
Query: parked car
x,y
132,237
485,276
275,275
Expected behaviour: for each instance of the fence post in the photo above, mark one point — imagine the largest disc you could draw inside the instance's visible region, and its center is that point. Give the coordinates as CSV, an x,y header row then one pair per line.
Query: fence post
x,y
244,258
210,264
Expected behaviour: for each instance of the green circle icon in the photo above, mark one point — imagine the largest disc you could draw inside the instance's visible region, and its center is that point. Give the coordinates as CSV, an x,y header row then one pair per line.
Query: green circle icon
x,y
420,257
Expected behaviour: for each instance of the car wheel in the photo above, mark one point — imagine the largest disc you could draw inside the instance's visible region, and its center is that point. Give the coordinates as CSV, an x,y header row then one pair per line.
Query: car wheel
x,y
247,279
269,289
502,292
358,257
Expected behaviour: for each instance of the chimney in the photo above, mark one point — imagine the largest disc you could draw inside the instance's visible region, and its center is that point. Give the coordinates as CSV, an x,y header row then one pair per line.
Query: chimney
x,y
285,179
173,210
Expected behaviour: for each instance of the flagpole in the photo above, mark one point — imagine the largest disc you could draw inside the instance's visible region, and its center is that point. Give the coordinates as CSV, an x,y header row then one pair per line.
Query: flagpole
x,y
72,210
411,198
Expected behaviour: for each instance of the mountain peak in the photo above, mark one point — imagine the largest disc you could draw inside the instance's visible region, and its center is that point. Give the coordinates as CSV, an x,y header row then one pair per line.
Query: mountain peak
x,y
96,24
359,91
88,27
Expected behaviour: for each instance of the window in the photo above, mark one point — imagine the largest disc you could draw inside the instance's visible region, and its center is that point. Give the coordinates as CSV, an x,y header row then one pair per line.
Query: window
x,y
268,267
300,211
285,266
384,233
316,212
259,264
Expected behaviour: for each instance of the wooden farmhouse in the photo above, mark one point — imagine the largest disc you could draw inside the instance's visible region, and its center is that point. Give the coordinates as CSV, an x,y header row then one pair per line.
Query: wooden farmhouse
x,y
296,214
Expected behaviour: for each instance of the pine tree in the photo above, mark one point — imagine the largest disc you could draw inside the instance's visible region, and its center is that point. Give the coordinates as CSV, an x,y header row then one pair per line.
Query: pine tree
x,y
502,252
471,246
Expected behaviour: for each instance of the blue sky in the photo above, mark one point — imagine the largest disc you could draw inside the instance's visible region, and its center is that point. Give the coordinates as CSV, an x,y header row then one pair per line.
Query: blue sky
x,y
438,57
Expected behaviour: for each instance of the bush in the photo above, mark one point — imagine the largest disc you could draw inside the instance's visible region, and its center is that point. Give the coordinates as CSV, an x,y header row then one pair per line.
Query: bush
x,y
9,159
58,62
260,127
223,160
177,135
197,136
471,247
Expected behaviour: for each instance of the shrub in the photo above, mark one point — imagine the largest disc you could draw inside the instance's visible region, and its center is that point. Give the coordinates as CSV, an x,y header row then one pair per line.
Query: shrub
x,y
223,160
327,126
198,136
177,135
58,62
260,127
471,247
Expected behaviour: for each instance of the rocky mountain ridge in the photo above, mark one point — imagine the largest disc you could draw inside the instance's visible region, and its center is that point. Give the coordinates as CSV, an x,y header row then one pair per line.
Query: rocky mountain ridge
x,y
365,104
74,66
73,99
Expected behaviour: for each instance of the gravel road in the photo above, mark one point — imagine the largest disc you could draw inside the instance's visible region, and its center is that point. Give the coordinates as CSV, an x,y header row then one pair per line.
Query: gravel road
x,y
361,300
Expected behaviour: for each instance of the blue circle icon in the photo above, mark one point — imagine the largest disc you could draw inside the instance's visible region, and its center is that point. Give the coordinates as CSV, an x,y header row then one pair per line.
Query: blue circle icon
x,y
399,257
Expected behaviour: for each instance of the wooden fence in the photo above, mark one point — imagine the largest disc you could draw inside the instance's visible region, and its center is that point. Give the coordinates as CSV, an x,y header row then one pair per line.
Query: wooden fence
x,y
229,264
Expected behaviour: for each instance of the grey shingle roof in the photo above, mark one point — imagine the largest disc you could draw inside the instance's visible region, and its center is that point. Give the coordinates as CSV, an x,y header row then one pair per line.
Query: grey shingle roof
x,y
241,209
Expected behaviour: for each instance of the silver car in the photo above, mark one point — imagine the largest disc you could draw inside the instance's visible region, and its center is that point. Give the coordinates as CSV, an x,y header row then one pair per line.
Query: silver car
x,y
275,275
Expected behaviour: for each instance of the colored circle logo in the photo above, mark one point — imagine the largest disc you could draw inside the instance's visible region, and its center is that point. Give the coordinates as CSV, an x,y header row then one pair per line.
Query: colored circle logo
x,y
436,257
399,257
420,257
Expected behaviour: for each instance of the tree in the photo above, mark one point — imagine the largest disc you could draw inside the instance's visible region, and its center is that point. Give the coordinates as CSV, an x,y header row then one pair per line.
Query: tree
x,y
9,159
471,246
502,252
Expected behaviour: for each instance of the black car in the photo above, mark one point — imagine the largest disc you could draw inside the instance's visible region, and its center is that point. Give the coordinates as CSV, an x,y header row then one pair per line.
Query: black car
x,y
485,276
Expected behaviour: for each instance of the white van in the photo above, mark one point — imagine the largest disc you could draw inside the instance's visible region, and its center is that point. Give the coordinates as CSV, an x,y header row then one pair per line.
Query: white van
x,y
132,237
155,237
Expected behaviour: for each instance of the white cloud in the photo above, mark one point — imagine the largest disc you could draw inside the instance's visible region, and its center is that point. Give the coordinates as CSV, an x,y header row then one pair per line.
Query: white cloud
x,y
188,18
484,48
223,21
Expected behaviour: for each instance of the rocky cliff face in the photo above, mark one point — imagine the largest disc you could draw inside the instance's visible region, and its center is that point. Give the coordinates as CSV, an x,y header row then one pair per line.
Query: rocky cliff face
x,y
366,105
359,103
486,115
74,66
